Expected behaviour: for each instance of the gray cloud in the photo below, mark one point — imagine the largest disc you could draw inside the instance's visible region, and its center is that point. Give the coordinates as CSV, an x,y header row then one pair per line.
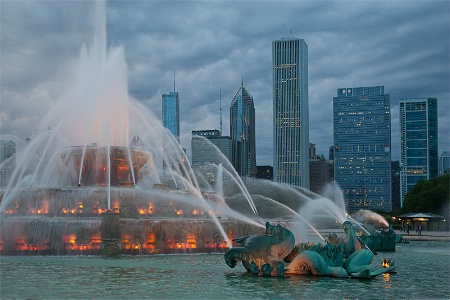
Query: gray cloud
x,y
402,45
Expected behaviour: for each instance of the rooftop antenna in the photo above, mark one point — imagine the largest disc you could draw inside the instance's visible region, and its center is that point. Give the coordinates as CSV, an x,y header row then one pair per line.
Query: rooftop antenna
x,y
220,106
174,81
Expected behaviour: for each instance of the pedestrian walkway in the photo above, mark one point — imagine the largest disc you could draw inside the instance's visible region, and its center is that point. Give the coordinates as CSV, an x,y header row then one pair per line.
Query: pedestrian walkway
x,y
427,235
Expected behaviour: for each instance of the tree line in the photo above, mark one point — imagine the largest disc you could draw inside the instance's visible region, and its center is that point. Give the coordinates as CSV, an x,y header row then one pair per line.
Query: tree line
x,y
428,196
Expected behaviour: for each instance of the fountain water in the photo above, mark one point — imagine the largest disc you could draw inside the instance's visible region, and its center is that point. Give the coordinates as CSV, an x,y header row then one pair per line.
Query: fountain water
x,y
83,164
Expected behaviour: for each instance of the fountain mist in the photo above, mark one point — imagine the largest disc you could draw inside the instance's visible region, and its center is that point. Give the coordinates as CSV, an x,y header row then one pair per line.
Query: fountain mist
x,y
99,149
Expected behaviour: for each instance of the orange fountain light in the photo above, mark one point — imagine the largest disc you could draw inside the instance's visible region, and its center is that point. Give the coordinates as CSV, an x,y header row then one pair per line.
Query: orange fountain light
x,y
386,263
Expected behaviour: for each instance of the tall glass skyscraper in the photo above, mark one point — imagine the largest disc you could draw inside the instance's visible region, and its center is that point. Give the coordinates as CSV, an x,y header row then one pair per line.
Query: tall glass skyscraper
x,y
171,113
290,109
242,133
362,143
418,142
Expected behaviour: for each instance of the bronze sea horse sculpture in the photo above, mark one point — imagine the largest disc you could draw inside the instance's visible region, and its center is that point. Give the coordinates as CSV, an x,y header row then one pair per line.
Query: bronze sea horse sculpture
x,y
263,254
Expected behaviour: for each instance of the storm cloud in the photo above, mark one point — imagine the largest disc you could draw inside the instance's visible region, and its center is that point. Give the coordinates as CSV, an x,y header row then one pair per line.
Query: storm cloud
x,y
211,46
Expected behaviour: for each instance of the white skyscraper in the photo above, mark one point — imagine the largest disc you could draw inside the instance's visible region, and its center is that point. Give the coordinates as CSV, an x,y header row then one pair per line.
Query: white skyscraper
x,y
290,109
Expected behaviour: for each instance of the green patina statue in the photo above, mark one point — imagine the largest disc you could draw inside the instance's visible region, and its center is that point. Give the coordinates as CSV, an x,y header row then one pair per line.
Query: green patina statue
x,y
262,254
274,254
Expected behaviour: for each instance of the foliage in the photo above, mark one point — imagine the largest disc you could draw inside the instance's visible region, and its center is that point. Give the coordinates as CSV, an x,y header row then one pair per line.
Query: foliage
x,y
428,196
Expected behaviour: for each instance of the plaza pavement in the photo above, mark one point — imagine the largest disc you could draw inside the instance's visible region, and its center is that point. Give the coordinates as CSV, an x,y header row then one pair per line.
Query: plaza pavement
x,y
426,235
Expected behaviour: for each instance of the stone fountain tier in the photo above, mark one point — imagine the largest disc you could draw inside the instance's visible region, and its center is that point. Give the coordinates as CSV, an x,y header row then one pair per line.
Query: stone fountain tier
x,y
89,202
93,163
87,236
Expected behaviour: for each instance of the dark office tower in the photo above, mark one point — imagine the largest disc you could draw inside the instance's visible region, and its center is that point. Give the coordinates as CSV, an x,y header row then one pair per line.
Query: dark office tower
x,y
264,172
418,142
362,140
319,173
242,133
290,112
395,186
331,162
319,170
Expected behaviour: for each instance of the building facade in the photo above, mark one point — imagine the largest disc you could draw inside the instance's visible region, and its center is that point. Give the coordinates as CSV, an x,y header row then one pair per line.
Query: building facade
x,y
242,133
418,142
362,147
290,109
264,172
444,163
171,113
319,170
319,174
7,151
395,185
203,147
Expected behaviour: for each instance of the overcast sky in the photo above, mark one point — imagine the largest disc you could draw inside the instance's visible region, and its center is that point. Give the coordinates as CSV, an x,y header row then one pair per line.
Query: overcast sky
x,y
213,45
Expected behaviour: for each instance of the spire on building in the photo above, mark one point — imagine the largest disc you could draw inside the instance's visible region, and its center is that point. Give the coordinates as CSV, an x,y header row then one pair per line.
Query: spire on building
x,y
220,107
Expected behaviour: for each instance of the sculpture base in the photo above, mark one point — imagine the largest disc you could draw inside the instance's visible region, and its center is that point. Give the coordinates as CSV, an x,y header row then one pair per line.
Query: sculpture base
x,y
111,244
379,242
111,248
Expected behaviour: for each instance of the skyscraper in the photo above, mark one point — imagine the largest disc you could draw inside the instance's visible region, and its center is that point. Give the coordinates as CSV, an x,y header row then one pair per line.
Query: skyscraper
x,y
362,143
319,170
418,142
7,151
395,184
171,113
264,172
444,163
319,174
290,109
242,132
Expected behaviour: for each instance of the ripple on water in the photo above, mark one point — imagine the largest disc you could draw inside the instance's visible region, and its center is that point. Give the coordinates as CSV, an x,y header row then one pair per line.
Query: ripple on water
x,y
422,272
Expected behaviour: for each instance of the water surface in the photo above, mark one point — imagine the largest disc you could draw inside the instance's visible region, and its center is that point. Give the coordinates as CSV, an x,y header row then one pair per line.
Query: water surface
x,y
422,272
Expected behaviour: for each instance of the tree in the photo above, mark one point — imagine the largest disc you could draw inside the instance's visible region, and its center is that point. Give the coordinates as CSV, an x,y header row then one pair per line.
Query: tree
x,y
428,196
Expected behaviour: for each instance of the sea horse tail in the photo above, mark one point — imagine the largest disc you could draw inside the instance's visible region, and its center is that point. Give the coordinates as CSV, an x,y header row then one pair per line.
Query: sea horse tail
x,y
234,255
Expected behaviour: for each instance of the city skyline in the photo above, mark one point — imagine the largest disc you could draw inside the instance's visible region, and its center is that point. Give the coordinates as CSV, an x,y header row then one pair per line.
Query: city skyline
x,y
388,44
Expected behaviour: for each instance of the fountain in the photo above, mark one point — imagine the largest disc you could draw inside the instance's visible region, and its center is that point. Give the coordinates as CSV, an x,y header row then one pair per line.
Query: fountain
x,y
85,200
103,176
104,173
